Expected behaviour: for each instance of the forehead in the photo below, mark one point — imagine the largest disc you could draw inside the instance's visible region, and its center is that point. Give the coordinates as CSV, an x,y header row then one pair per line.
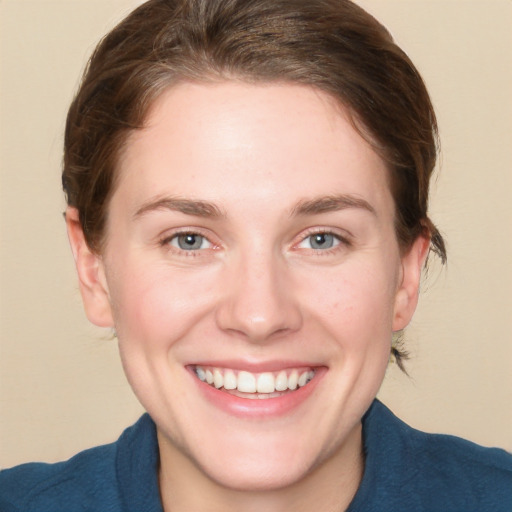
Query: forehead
x,y
241,143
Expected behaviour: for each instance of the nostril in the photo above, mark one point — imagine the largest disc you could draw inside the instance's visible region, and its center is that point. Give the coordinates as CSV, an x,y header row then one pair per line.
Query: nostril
x,y
258,303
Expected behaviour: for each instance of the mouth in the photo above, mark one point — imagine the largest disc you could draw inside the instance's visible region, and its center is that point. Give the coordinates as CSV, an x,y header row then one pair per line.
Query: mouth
x,y
264,385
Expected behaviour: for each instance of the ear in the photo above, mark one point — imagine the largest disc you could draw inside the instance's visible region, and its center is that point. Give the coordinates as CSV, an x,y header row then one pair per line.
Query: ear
x,y
406,298
91,274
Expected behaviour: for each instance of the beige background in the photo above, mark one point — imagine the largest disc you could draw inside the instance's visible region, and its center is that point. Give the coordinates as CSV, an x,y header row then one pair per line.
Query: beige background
x,y
61,385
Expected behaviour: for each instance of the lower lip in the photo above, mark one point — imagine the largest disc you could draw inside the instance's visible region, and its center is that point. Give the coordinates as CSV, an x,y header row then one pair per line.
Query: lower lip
x,y
259,407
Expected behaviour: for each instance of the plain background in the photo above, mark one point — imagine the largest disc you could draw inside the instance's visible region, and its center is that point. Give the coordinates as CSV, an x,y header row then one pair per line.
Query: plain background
x,y
61,385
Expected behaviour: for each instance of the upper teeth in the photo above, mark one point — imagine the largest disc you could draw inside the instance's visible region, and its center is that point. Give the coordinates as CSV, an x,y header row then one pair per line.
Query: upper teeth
x,y
247,382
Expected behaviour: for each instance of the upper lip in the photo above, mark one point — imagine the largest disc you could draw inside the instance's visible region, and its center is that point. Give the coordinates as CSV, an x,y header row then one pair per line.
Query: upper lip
x,y
256,366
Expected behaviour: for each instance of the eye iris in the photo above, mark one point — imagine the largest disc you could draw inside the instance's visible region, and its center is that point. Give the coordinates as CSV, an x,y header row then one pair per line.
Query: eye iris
x,y
190,241
322,241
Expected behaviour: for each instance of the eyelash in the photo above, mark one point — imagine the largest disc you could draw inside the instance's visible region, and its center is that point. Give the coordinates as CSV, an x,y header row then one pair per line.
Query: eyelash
x,y
342,241
166,242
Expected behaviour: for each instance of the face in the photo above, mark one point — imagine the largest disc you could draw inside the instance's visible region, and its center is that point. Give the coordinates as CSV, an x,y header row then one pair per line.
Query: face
x,y
254,278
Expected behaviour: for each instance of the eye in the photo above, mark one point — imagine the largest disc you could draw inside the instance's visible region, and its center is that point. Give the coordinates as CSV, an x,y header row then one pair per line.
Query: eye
x,y
320,241
189,242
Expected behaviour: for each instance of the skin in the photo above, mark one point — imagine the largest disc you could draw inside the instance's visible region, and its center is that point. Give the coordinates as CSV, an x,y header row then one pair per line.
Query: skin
x,y
264,158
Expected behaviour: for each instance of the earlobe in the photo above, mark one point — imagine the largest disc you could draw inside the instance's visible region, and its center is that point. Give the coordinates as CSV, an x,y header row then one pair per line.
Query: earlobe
x,y
406,298
91,274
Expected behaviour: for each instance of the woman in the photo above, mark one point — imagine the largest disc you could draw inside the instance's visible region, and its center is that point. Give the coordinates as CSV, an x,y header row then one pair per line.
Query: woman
x,y
247,188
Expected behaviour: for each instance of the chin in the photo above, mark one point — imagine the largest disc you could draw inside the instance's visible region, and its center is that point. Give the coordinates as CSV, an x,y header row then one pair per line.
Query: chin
x,y
248,459
246,475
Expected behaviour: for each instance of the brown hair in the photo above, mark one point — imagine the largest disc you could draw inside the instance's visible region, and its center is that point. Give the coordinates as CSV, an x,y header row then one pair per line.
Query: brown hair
x,y
333,45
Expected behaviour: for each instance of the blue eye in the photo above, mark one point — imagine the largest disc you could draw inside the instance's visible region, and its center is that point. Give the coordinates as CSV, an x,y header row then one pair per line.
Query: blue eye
x,y
320,241
190,242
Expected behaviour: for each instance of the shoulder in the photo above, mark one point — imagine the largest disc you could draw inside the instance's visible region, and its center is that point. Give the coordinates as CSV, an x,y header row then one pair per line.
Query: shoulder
x,y
47,486
414,470
452,456
91,479
456,471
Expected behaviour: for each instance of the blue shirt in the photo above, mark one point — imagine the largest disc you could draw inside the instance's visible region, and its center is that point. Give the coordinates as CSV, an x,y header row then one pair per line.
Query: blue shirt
x,y
405,470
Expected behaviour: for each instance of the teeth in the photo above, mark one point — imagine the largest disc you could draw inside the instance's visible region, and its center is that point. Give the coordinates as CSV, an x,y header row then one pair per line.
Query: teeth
x,y
230,381
281,381
201,373
218,379
246,382
266,383
293,380
303,379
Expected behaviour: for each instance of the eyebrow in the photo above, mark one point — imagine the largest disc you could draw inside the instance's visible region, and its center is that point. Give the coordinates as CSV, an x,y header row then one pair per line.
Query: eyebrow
x,y
193,207
325,204
205,209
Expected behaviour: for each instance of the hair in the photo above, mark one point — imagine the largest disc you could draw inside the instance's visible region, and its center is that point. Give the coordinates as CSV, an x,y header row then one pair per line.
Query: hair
x,y
332,45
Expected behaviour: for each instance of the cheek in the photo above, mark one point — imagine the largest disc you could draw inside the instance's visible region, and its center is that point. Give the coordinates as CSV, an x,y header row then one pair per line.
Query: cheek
x,y
357,302
155,303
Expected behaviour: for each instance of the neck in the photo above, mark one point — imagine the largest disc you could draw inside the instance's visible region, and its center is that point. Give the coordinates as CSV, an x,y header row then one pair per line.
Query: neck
x,y
327,487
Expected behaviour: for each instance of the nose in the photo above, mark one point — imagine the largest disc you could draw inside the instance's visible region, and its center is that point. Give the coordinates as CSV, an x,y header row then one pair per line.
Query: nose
x,y
258,299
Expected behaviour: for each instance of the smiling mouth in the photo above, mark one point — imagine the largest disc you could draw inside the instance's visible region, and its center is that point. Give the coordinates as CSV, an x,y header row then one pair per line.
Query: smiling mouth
x,y
255,385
